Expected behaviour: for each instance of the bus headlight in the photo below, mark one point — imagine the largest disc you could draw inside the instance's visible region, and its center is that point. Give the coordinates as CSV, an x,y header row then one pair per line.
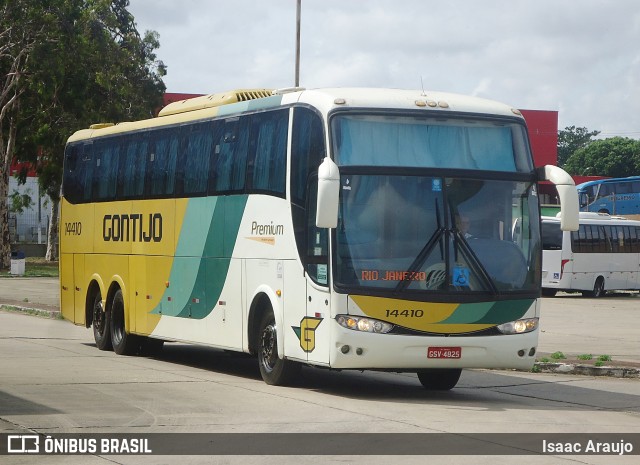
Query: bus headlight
x,y
367,325
519,326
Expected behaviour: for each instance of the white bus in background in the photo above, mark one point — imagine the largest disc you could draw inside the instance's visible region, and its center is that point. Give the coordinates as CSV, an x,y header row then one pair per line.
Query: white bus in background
x,y
603,255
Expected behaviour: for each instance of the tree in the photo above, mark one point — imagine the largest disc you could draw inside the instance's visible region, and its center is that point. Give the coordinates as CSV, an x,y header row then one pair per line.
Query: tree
x,y
93,67
21,28
571,139
616,157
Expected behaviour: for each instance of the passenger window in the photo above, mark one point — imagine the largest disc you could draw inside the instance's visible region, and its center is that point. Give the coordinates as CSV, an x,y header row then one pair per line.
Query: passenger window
x,y
229,156
106,155
133,167
269,136
197,159
161,163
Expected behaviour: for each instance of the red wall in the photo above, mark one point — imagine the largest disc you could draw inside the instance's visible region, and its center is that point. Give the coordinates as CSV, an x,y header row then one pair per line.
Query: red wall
x,y
543,135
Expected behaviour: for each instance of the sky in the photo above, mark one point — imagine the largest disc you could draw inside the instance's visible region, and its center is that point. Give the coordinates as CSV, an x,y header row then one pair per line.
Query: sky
x,y
578,57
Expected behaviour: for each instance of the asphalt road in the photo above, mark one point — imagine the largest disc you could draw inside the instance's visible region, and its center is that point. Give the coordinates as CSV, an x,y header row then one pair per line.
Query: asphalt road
x,y
54,380
570,323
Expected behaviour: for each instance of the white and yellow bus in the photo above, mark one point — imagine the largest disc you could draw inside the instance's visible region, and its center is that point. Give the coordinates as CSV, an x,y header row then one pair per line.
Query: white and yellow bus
x,y
314,227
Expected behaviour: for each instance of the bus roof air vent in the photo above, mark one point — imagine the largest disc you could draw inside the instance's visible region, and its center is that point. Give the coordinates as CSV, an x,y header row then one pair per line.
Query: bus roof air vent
x,y
214,100
101,125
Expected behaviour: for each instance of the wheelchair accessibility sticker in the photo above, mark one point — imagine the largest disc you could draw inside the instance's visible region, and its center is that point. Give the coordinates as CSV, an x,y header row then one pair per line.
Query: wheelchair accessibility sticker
x,y
460,277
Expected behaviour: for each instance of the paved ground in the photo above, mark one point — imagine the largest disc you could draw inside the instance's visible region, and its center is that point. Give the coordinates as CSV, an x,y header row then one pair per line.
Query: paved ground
x,y
41,293
570,323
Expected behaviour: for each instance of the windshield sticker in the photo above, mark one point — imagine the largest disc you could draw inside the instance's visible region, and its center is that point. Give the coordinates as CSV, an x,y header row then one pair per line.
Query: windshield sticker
x,y
436,185
322,274
460,276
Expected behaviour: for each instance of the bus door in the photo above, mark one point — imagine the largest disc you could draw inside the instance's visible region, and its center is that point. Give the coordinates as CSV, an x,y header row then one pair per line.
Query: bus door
x,y
67,287
552,245
315,328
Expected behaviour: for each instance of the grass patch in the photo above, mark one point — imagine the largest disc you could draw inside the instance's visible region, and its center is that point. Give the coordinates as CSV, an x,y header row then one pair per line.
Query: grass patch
x,y
36,267
585,357
32,312
604,358
558,356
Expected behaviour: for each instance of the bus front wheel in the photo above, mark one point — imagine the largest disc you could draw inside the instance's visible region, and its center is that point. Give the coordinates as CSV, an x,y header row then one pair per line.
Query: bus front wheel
x,y
274,370
100,323
123,343
439,379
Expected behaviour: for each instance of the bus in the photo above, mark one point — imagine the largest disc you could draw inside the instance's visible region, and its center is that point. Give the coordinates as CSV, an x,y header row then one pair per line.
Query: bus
x,y
311,227
617,196
602,255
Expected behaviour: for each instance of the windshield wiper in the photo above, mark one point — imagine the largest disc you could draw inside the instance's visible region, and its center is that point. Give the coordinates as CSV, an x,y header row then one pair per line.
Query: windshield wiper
x,y
423,255
474,261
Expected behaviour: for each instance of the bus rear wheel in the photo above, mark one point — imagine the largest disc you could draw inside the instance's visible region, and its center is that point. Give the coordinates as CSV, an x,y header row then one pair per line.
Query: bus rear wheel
x,y
123,343
274,370
439,379
100,323
598,289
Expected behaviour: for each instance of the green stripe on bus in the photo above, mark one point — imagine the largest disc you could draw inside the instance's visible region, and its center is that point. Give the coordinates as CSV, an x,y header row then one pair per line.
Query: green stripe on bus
x,y
469,313
506,310
250,105
203,255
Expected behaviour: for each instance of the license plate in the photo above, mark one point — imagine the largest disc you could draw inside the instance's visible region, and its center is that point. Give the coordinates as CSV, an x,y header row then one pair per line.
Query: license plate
x,y
444,352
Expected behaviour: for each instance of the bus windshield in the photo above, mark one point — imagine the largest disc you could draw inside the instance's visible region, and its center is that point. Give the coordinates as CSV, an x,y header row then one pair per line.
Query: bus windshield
x,y
437,234
412,226
419,141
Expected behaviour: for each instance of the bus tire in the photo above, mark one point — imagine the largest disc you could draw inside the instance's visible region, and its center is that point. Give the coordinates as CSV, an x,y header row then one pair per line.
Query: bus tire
x,y
123,343
274,370
101,323
598,289
439,379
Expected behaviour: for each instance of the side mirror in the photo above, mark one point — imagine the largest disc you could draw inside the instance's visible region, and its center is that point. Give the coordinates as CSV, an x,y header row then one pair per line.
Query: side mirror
x,y
584,200
566,191
328,194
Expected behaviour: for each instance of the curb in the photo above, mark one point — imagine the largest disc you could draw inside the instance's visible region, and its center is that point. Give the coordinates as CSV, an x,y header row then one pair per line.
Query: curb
x,y
53,314
588,370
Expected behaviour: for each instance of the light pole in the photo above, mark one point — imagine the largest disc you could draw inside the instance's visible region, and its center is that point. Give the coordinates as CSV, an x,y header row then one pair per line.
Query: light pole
x,y
297,83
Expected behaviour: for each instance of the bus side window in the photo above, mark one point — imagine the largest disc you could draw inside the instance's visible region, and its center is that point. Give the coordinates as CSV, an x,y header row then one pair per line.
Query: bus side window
x,y
317,253
635,239
161,163
197,153
70,183
229,164
608,236
602,240
624,188
133,167
269,151
106,154
307,152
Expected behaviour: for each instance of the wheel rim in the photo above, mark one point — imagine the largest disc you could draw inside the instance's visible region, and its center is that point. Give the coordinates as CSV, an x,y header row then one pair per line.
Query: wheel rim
x,y
98,316
268,347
